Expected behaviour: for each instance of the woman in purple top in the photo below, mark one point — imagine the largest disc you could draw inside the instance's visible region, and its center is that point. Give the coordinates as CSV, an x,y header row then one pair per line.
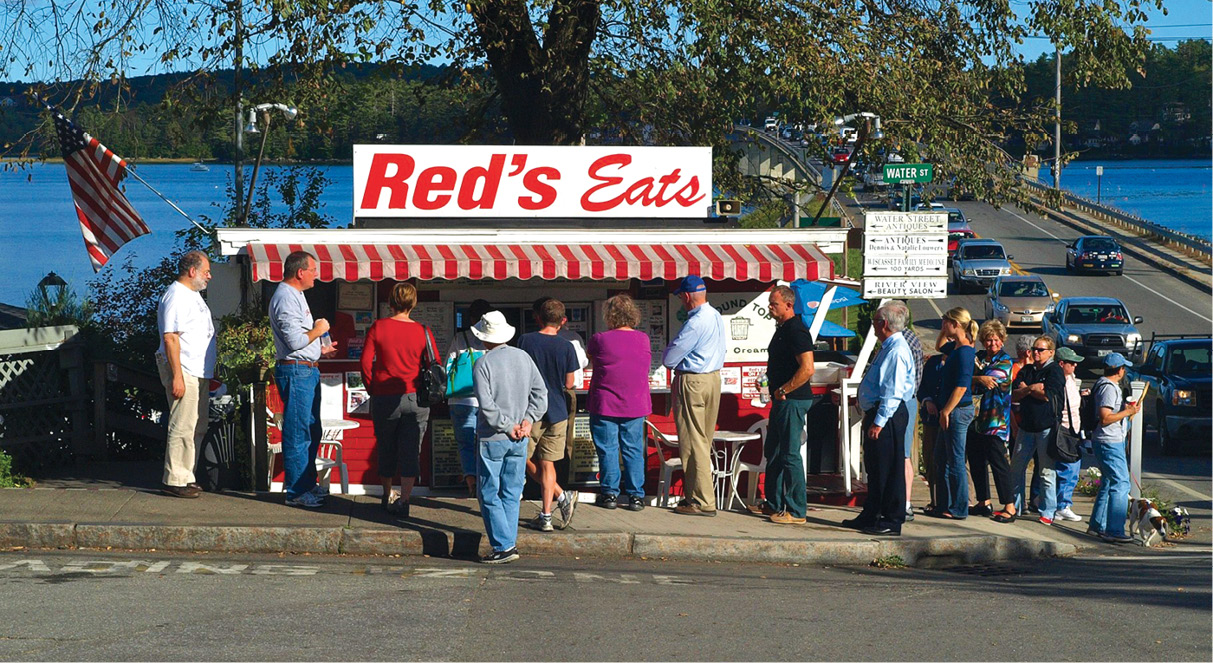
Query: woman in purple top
x,y
619,401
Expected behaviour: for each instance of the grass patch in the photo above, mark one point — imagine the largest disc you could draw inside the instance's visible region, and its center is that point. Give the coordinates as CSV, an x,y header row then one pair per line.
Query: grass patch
x,y
888,562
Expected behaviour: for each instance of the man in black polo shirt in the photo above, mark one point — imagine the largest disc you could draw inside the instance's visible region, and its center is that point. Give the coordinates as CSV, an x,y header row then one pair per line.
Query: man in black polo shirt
x,y
1038,388
789,369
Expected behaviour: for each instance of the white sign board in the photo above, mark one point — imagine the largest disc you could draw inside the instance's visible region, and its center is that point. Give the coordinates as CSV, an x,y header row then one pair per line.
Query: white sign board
x,y
906,265
902,223
487,181
748,324
894,245
932,287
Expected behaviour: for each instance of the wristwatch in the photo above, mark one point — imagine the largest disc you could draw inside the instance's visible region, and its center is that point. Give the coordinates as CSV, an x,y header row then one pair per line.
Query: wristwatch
x,y
781,391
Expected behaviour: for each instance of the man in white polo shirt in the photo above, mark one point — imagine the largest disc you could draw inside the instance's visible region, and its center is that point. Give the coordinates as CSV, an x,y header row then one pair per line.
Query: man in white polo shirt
x,y
186,360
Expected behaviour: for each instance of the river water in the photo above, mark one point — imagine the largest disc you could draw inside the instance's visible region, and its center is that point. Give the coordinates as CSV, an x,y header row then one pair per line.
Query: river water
x,y
39,232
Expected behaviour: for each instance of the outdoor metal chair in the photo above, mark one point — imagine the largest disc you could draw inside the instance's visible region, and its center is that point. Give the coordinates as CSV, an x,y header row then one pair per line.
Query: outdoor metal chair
x,y
664,442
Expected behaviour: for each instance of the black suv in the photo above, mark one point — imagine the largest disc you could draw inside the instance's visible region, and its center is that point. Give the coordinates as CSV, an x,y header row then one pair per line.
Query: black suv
x,y
1179,370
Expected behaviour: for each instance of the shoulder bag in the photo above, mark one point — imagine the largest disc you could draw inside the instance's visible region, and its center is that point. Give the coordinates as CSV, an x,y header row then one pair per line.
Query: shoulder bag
x,y
459,370
431,388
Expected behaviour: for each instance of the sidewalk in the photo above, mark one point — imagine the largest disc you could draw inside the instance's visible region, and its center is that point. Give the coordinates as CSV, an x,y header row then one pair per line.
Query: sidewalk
x,y
67,514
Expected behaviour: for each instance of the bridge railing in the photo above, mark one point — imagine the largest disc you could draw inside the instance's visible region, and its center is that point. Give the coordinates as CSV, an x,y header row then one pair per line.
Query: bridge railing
x,y
1131,221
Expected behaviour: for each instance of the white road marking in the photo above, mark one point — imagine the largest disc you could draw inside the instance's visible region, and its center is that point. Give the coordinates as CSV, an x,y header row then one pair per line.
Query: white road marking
x,y
1202,317
1177,486
1162,554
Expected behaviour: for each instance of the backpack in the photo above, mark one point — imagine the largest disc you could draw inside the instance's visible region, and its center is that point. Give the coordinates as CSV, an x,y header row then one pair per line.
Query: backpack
x,y
1088,413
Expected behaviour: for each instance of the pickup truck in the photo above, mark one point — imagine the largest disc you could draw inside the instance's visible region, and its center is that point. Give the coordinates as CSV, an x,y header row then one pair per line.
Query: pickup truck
x,y
1179,402
1094,327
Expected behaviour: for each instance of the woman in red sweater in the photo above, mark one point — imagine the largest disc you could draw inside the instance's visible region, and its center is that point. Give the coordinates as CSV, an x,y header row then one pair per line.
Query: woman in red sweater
x,y
392,360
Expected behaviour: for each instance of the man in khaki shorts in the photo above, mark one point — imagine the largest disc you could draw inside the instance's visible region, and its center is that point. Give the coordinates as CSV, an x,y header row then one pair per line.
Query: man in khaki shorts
x,y
557,361
696,355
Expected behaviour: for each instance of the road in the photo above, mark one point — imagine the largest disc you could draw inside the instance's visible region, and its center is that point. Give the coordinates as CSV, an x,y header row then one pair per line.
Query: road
x,y
152,606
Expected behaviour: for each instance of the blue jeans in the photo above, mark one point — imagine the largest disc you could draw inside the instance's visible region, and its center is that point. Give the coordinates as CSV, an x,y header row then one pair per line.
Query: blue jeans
x,y
612,436
299,387
463,420
1112,502
911,426
501,472
1027,446
1067,479
952,487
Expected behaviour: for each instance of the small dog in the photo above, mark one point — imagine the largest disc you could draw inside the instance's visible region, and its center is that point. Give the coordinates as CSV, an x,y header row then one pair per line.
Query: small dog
x,y
1146,524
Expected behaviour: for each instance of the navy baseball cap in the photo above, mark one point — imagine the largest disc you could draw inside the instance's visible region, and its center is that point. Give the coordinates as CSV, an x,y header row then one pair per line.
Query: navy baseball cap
x,y
691,283
1115,360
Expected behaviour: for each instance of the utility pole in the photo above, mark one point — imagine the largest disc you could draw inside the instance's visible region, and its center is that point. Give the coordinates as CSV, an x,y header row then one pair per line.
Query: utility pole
x,y
1057,126
237,10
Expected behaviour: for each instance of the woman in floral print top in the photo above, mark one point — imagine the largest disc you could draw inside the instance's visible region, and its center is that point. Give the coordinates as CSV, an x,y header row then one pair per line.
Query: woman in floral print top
x,y
991,430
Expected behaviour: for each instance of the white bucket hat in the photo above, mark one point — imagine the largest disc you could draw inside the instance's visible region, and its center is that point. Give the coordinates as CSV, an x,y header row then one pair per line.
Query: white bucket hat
x,y
493,328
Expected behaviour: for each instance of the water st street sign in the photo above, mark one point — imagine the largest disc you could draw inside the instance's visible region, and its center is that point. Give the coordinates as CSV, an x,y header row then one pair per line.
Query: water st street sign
x,y
908,173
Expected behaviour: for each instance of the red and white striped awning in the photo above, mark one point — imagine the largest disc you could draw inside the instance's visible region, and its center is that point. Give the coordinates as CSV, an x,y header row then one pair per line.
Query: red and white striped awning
x,y
500,260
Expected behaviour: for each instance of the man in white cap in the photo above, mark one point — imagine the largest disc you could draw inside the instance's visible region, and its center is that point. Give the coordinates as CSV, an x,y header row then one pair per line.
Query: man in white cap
x,y
512,397
1109,439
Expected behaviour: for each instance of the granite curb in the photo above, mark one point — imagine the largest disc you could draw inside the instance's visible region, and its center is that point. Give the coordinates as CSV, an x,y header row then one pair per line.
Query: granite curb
x,y
926,552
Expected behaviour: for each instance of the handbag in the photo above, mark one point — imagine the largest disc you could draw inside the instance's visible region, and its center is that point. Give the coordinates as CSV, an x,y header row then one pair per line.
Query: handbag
x,y
431,389
1064,447
459,370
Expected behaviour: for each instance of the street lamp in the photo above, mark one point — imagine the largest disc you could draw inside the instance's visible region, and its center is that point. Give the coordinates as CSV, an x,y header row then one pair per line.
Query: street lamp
x,y
871,123
251,129
52,282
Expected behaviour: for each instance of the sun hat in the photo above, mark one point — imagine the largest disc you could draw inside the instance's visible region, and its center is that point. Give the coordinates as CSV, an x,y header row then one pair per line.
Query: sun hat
x,y
1115,360
1066,354
691,283
493,328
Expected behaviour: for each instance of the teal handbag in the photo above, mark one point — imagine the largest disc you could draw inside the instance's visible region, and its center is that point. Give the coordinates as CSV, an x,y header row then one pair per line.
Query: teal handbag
x,y
459,370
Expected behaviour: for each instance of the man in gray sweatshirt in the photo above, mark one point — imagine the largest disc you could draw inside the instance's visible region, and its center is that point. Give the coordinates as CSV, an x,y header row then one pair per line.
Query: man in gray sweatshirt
x,y
512,397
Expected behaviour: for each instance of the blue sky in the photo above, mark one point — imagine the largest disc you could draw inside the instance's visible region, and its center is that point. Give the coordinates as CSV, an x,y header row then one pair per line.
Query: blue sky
x,y
1185,19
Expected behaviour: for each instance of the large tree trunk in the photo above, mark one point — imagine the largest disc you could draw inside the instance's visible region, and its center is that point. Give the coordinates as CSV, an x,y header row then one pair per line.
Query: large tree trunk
x,y
543,87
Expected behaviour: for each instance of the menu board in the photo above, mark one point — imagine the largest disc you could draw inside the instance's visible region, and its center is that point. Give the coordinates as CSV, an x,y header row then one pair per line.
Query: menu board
x,y
583,464
444,454
730,380
440,316
749,380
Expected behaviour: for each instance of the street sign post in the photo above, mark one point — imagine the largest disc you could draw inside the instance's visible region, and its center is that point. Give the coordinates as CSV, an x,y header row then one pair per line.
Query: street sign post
x,y
900,287
897,223
908,173
905,255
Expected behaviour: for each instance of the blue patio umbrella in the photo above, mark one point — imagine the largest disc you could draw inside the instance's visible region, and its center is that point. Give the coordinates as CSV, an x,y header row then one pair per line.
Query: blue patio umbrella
x,y
830,329
808,298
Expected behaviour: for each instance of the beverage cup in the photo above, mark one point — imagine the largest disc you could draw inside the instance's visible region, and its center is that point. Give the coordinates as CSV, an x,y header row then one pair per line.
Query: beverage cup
x,y
326,342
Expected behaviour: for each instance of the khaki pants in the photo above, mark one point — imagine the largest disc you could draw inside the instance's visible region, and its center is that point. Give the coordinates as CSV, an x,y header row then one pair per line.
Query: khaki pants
x,y
187,420
696,404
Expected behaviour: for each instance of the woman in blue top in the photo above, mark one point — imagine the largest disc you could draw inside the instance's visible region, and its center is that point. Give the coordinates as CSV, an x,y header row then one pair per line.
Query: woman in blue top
x,y
955,416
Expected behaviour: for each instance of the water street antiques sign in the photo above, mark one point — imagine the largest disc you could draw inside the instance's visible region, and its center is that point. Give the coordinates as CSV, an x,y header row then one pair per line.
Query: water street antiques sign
x,y
905,244
526,181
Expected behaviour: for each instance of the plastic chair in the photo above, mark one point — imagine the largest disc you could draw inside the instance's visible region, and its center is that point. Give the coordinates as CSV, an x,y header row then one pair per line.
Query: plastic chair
x,y
668,465
330,455
754,468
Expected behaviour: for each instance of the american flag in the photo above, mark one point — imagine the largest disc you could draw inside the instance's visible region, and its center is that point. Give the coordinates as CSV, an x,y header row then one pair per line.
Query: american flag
x,y
107,219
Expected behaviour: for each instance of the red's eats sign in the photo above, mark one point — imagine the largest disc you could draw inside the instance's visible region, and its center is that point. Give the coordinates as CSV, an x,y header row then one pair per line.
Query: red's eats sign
x,y
527,181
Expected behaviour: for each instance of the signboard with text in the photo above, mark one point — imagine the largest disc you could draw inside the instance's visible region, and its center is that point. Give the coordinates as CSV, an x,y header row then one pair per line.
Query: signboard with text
x,y
893,223
900,287
905,255
908,173
488,181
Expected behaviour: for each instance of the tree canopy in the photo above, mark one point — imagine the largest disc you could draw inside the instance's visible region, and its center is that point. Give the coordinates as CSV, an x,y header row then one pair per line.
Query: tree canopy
x,y
944,75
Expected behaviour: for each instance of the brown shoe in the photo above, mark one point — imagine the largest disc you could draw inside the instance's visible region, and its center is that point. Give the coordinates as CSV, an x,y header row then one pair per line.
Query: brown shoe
x,y
785,518
180,491
692,509
194,486
761,509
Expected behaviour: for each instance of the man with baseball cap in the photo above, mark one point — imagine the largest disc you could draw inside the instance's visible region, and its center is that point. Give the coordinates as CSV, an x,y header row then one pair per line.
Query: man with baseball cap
x,y
512,397
1111,504
1071,432
696,355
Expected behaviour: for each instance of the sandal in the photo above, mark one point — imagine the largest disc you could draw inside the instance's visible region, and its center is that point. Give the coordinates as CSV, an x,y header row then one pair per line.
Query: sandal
x,y
981,510
387,501
936,513
1004,517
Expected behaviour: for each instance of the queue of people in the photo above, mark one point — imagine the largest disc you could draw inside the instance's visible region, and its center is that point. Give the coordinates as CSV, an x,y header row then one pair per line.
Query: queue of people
x,y
513,417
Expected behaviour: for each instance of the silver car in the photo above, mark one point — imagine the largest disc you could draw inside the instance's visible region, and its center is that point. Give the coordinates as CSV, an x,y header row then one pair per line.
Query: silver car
x,y
1019,301
978,262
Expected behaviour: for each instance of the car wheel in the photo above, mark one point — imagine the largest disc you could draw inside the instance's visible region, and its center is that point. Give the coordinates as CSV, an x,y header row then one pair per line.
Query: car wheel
x,y
1120,272
1069,267
1166,444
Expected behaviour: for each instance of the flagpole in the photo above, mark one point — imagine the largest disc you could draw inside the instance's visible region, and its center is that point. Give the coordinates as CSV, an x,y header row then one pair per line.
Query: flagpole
x,y
171,203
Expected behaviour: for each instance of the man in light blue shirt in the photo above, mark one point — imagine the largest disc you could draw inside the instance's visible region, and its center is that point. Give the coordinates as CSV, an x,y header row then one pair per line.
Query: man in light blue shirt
x,y
297,373
696,355
886,388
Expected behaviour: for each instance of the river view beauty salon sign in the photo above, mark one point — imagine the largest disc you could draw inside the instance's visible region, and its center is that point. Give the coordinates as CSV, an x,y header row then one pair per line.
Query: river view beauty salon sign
x,y
488,181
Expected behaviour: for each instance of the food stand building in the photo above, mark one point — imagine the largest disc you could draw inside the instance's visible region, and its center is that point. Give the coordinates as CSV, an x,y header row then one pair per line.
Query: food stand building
x,y
455,252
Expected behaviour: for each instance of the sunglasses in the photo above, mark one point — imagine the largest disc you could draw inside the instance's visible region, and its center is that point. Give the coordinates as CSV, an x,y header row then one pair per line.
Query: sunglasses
x,y
1041,350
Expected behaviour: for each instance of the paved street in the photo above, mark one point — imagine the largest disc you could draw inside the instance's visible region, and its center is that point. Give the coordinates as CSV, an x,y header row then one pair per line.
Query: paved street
x,y
152,606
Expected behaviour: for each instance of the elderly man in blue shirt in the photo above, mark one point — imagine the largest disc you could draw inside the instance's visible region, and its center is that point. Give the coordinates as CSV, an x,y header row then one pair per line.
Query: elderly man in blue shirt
x,y
883,394
696,355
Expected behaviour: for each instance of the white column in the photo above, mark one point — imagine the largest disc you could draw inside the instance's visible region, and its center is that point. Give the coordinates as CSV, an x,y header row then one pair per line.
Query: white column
x,y
1136,439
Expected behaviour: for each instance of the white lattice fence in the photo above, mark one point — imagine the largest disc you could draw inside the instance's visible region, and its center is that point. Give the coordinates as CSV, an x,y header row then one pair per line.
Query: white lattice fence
x,y
42,404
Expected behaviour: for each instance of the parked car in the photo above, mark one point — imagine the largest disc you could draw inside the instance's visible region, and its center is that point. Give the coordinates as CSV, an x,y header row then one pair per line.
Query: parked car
x,y
1095,253
958,229
1179,402
1094,327
977,263
1019,301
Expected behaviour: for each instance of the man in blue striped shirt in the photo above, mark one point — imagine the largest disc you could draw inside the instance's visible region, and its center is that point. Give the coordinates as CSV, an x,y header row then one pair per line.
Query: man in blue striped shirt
x,y
696,355
886,388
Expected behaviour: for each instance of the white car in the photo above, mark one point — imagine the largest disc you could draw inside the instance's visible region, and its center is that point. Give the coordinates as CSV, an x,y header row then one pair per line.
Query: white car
x,y
770,124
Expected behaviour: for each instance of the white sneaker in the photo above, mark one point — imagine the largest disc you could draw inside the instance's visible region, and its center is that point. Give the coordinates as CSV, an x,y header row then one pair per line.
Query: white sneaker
x,y
1068,514
319,490
307,501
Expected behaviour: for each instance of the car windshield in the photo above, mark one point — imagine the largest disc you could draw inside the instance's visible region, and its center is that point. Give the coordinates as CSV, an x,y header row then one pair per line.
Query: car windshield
x,y
1190,362
1024,289
1101,244
955,219
984,252
1097,314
